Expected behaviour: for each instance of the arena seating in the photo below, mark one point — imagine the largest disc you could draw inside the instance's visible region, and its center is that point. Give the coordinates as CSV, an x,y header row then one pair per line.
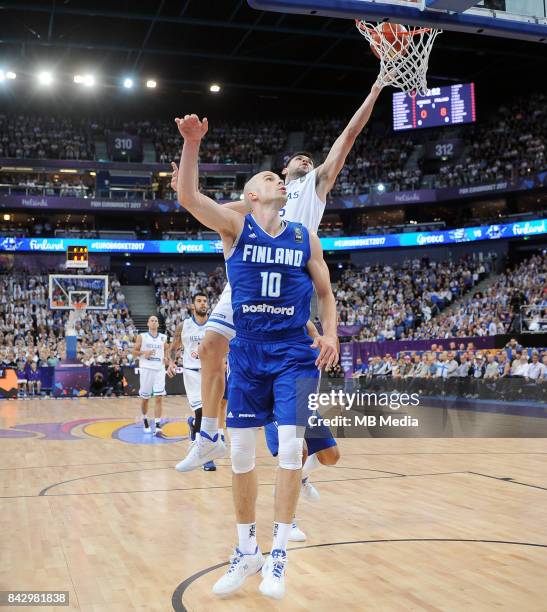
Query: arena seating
x,y
507,145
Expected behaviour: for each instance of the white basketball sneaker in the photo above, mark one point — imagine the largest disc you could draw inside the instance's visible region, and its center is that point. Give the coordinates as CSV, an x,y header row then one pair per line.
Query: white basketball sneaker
x,y
308,491
203,450
296,534
273,575
241,566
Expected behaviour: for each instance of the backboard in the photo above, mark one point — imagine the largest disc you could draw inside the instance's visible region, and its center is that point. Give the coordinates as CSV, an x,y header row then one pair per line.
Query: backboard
x,y
72,291
520,19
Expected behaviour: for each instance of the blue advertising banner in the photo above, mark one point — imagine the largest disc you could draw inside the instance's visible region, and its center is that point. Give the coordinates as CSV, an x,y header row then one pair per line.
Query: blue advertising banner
x,y
520,229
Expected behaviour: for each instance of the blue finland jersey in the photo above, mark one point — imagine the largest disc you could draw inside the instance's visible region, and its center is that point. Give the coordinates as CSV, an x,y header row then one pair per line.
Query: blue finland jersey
x,y
271,286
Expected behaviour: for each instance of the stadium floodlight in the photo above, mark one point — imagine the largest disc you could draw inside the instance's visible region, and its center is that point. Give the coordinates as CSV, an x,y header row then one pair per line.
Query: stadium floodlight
x,y
128,83
8,74
214,88
84,79
45,78
151,84
380,188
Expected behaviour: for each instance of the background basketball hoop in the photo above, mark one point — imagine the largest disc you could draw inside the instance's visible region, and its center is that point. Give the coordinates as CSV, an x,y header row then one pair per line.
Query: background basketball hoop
x,y
403,52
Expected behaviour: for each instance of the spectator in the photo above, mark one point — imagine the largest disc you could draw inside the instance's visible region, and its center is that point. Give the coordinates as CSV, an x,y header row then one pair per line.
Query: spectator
x,y
115,380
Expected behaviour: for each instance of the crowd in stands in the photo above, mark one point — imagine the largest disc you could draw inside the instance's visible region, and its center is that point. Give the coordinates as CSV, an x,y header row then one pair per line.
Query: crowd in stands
x,y
47,184
372,160
392,302
496,309
175,288
45,137
413,300
509,144
32,333
246,143
461,370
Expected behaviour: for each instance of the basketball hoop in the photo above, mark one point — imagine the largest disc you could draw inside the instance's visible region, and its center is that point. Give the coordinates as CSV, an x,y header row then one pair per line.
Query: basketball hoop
x,y
403,52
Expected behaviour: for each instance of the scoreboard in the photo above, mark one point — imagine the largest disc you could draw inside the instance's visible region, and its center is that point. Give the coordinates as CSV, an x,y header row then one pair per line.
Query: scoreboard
x,y
450,105
77,257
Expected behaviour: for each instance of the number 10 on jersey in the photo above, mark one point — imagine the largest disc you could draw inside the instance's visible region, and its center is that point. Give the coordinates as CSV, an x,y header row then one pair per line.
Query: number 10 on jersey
x,y
271,284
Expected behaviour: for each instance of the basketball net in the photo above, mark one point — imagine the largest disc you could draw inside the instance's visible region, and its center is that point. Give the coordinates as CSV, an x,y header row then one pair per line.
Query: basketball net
x,y
403,51
76,314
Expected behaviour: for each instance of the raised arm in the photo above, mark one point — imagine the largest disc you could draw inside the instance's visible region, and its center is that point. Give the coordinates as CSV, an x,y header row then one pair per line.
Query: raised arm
x,y
226,222
329,170
319,272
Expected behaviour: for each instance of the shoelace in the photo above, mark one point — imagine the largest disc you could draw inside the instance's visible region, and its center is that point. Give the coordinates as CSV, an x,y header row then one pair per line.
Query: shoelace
x,y
278,566
234,560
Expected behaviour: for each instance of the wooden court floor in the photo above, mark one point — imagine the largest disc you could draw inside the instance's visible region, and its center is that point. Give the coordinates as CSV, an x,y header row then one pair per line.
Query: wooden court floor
x,y
91,506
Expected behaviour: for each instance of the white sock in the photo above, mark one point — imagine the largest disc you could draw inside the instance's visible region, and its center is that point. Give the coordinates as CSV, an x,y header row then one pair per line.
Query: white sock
x,y
209,425
311,463
157,422
246,533
221,432
281,533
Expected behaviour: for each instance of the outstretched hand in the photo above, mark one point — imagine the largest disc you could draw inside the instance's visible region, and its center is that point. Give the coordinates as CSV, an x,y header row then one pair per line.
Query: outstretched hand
x,y
191,128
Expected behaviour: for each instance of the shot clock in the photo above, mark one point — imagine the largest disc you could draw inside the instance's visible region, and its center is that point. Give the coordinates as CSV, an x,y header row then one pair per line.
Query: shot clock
x,y
77,257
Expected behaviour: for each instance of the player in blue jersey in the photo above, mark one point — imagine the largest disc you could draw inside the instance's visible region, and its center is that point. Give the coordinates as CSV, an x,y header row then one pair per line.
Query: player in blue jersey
x,y
307,189
272,266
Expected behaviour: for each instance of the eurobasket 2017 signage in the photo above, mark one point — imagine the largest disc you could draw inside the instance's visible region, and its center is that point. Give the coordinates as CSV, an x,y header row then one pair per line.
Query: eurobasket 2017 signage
x,y
349,243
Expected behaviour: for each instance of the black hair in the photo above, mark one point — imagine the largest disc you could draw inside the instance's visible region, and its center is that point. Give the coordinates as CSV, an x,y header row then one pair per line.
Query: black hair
x,y
306,153
199,294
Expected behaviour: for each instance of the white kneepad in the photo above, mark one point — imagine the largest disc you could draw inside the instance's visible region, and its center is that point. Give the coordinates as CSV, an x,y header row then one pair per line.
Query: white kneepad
x,y
290,448
243,449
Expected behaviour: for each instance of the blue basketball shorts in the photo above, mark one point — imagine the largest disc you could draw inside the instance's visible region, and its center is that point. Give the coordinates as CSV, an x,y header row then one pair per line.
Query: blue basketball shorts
x,y
270,381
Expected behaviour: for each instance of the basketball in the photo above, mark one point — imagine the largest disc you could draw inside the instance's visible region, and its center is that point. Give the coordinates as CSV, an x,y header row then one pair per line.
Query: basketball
x,y
391,34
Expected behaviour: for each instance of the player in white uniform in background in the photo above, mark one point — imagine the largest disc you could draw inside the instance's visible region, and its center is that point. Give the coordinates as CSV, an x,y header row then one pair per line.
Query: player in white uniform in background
x,y
188,336
151,349
307,189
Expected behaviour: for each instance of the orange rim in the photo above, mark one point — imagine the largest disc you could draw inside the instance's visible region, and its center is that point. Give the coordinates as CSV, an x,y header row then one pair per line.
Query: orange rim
x,y
362,26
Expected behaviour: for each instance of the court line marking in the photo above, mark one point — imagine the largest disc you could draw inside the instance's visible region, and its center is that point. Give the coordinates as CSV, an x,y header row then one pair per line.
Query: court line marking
x,y
137,461
46,489
43,492
510,480
178,605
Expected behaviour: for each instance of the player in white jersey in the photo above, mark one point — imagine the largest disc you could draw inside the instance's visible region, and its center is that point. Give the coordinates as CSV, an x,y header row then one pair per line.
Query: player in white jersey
x,y
188,336
151,349
307,189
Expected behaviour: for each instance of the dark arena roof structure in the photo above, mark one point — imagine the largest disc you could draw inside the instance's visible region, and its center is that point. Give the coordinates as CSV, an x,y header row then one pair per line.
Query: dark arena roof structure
x,y
265,62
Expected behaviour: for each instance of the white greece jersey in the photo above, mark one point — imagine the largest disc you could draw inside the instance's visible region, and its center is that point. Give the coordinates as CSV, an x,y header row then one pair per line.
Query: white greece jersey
x,y
191,336
156,344
303,204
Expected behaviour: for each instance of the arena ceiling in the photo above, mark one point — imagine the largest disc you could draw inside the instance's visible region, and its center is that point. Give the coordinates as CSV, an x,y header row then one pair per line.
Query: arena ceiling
x,y
188,44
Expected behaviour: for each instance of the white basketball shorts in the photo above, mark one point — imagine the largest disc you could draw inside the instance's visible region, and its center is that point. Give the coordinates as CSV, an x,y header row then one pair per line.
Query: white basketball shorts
x,y
222,317
152,382
192,386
